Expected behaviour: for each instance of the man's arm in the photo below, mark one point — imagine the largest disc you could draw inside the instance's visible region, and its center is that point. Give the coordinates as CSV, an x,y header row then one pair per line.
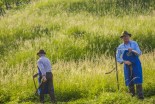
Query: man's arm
x,y
137,50
118,56
120,60
43,72
41,67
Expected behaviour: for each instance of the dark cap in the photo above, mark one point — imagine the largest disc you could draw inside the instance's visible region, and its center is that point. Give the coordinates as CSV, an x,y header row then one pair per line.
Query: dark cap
x,y
41,52
124,33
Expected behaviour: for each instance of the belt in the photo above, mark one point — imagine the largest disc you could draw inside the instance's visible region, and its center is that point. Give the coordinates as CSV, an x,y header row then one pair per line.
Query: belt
x,y
48,72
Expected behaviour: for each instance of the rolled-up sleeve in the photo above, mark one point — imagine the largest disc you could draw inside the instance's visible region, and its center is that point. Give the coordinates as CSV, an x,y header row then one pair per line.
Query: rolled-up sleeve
x,y
137,49
41,67
118,56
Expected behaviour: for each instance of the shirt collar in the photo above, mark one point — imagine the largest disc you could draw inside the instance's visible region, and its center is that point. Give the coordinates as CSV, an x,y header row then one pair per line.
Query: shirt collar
x,y
42,56
128,42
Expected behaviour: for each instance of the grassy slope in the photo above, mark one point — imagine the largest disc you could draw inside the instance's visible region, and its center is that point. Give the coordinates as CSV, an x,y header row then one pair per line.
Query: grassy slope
x,y
68,35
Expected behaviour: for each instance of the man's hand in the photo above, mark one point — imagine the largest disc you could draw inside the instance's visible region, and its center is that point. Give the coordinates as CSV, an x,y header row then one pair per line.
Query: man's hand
x,y
35,75
130,49
44,79
127,62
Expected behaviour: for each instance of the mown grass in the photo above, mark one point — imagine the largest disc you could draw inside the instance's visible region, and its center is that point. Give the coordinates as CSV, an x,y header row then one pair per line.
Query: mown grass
x,y
79,37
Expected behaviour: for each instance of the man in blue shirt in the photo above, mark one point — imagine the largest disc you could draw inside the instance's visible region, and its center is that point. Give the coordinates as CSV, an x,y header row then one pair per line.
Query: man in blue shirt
x,y
128,53
45,69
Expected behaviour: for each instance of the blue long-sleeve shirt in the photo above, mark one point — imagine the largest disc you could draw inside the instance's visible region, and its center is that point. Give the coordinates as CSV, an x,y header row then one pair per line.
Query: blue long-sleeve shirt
x,y
122,47
44,65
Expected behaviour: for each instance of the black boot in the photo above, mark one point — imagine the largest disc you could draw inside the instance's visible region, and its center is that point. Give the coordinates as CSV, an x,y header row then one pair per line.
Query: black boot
x,y
132,90
140,91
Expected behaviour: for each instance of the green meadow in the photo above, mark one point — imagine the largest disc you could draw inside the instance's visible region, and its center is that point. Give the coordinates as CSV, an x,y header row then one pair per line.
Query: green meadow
x,y
79,37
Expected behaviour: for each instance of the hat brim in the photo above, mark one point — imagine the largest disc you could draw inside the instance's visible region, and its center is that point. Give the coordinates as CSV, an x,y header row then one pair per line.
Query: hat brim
x,y
41,53
125,35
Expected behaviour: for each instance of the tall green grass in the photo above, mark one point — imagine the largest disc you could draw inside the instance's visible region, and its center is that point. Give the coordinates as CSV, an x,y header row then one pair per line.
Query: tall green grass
x,y
79,37
75,36
76,82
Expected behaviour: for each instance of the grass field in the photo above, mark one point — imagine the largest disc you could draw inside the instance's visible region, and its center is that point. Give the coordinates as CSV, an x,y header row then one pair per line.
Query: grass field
x,y
79,37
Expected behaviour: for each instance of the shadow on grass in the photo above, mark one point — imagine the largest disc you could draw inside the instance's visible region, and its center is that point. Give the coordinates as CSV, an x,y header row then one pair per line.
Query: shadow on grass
x,y
61,96
68,95
4,96
29,98
149,90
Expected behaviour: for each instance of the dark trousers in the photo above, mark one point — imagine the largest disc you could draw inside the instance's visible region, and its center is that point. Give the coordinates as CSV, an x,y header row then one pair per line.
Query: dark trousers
x,y
49,82
139,88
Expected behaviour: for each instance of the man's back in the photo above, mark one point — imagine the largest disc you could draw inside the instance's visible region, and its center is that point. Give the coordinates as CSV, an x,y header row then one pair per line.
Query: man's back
x,y
44,64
